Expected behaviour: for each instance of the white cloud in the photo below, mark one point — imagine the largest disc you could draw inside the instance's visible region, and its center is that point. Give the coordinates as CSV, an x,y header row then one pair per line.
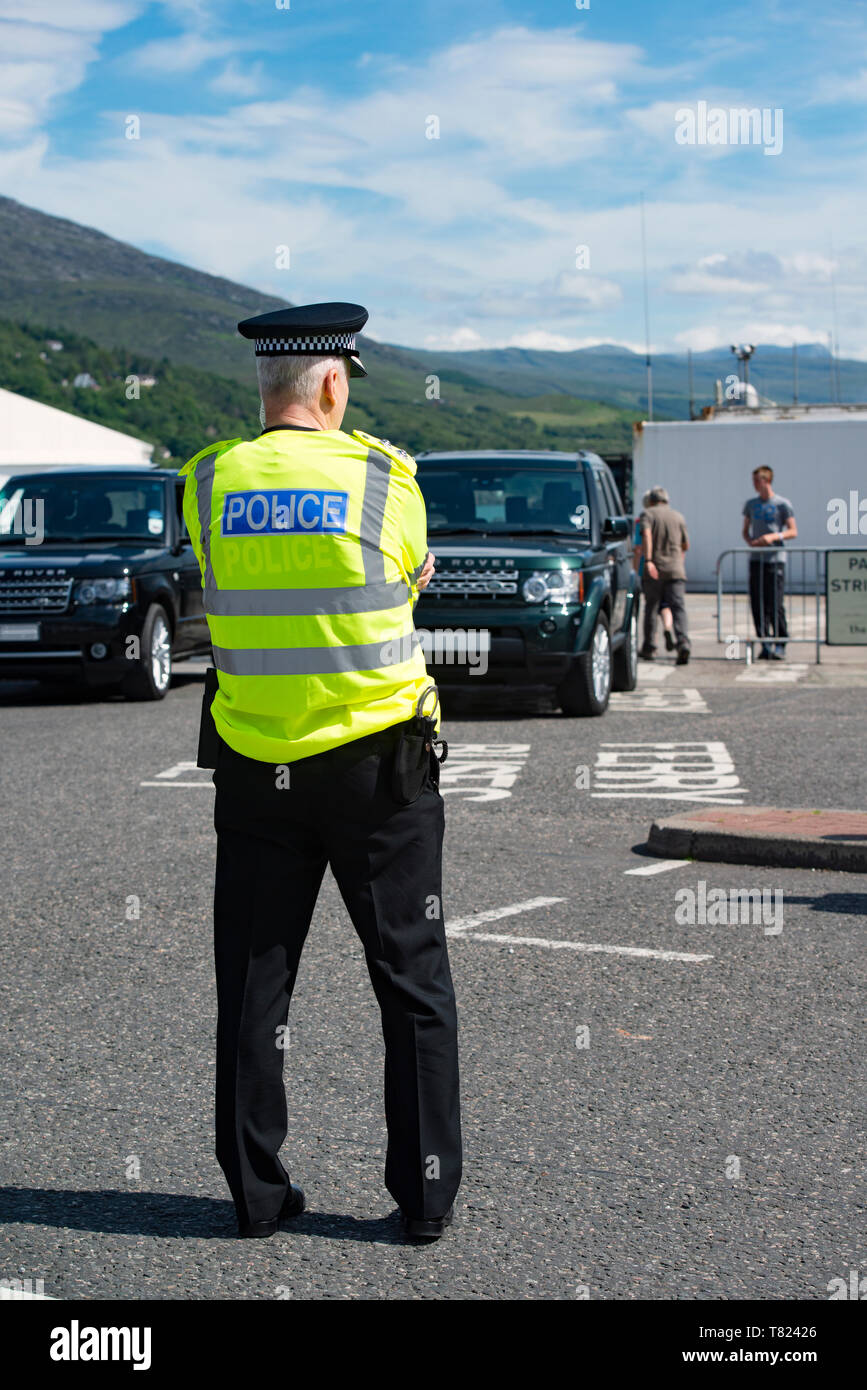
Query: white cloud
x,y
468,239
833,89
539,340
46,49
93,16
714,335
459,340
185,53
238,82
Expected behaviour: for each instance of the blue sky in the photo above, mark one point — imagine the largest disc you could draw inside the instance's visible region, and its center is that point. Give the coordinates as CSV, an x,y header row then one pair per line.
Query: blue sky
x,y
307,127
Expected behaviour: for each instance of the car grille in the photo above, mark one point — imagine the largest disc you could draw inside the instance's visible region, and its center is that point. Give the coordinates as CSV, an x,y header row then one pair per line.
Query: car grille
x,y
471,584
34,594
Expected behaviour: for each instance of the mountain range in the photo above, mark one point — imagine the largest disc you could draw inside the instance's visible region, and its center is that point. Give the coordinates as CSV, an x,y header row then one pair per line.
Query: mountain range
x,y
58,277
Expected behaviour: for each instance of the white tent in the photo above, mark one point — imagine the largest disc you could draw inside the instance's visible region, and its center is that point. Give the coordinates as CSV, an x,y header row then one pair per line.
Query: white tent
x,y
33,435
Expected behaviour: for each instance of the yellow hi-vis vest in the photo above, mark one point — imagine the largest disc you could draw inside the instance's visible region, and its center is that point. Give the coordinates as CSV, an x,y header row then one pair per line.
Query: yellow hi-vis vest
x,y
310,546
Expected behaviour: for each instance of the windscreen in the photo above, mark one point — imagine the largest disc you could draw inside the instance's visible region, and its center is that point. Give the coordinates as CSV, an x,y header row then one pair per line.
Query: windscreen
x,y
495,498
75,507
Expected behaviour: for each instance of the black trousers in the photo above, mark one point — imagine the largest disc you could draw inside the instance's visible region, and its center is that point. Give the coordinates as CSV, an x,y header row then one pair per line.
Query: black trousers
x,y
672,594
767,589
273,845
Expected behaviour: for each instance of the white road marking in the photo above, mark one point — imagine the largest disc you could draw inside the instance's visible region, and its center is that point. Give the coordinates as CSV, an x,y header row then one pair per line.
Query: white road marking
x,y
177,784
670,771
662,868
770,673
482,771
461,928
172,777
476,771
685,701
493,914
586,946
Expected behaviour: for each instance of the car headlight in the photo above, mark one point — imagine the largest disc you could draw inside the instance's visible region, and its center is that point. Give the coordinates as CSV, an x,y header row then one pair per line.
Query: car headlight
x,y
553,586
89,591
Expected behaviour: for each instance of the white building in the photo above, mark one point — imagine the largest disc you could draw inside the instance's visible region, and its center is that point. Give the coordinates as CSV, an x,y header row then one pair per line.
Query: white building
x,y
819,458
33,435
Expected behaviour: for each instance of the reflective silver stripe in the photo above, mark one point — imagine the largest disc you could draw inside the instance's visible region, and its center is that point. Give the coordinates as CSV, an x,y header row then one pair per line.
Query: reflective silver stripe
x,y
315,661
416,574
204,471
300,603
376,481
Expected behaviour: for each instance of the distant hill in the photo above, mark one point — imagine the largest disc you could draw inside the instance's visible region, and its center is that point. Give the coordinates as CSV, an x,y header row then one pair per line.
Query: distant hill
x,y
616,375
70,282
184,407
119,311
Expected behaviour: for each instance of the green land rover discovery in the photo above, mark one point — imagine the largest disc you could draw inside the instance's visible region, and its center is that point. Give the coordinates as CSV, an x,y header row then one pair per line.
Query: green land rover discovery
x,y
534,584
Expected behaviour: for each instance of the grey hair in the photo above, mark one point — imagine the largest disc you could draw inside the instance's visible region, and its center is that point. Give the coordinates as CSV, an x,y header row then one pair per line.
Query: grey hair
x,y
296,377
654,496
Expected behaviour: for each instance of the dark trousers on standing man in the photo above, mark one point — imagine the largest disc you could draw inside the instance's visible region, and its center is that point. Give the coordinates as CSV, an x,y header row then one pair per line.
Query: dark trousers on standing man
x,y
672,594
767,590
273,845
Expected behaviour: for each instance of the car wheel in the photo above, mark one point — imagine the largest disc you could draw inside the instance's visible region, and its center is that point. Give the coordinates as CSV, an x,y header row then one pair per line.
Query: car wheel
x,y
625,672
586,689
151,675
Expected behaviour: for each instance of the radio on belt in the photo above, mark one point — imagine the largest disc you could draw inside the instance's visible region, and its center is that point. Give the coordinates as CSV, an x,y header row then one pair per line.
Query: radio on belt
x,y
415,756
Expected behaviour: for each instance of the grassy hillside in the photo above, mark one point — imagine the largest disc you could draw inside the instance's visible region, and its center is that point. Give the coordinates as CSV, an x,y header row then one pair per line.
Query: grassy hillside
x,y
186,407
55,272
119,311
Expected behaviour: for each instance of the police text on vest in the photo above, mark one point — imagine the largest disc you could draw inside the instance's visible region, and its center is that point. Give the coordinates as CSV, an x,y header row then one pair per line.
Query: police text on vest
x,y
291,511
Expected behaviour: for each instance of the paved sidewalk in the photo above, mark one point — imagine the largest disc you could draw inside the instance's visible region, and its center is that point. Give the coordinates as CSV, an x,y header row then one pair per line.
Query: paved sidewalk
x,y
796,839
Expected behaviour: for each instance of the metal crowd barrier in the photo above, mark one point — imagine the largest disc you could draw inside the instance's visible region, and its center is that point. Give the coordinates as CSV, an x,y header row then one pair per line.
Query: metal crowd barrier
x,y
747,603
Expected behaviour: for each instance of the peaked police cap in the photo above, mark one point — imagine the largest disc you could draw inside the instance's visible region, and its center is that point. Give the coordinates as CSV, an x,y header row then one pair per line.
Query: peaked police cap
x,y
314,330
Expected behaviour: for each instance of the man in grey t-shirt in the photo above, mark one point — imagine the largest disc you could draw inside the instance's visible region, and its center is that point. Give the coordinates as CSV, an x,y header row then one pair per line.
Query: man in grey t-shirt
x,y
769,522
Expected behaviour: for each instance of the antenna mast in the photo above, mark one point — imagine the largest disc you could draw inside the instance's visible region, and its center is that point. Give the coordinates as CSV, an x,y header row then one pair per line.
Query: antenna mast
x,y
646,318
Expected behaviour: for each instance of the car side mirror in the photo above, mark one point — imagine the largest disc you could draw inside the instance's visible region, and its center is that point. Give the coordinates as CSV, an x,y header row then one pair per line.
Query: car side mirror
x,y
615,527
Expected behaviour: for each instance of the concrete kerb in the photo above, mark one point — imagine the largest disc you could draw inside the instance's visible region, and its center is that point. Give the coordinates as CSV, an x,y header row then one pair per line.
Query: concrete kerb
x,y
836,839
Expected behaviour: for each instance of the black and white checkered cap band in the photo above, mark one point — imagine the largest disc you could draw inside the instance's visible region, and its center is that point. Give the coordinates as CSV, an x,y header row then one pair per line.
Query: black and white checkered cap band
x,y
316,346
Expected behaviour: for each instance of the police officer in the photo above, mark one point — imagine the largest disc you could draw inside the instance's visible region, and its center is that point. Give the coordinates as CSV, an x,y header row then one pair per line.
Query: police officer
x,y
312,547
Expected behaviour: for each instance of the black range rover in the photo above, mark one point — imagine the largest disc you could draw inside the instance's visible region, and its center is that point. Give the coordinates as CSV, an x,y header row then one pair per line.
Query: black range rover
x,y
98,580
534,582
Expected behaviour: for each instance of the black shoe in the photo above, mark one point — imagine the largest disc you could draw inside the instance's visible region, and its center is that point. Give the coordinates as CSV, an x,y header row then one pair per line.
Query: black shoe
x,y
682,656
669,640
647,656
293,1205
426,1227
764,654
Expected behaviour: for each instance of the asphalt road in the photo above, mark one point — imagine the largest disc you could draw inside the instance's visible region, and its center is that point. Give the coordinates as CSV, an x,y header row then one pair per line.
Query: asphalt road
x,y
679,1119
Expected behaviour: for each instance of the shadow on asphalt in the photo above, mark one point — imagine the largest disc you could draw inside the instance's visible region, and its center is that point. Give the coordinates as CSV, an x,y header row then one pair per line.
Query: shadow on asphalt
x,y
459,702
854,904
170,1215
24,693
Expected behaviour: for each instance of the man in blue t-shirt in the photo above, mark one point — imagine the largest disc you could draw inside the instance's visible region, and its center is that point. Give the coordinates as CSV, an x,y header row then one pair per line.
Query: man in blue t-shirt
x,y
769,522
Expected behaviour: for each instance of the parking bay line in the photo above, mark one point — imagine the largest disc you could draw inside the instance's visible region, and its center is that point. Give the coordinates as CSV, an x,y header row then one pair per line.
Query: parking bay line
x,y
178,784
660,868
494,914
460,930
585,946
